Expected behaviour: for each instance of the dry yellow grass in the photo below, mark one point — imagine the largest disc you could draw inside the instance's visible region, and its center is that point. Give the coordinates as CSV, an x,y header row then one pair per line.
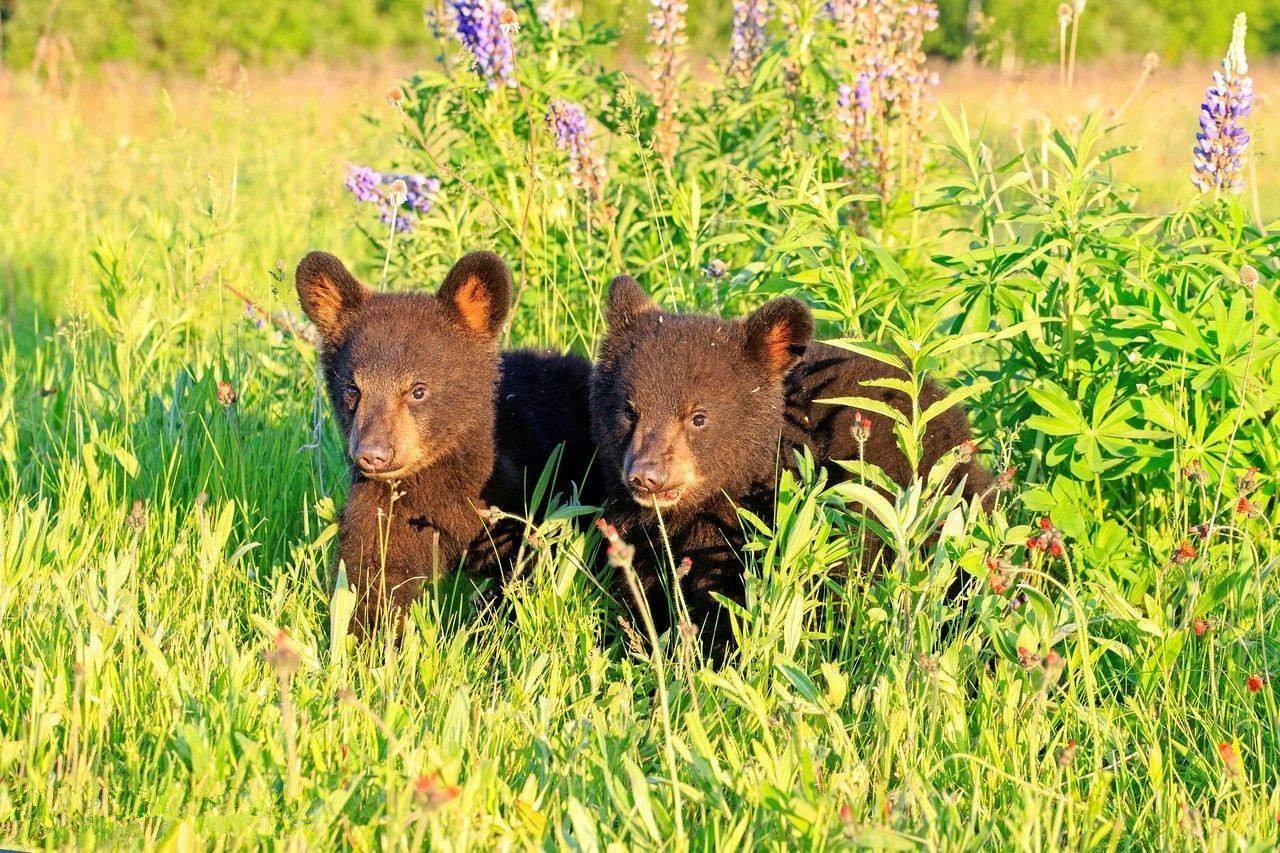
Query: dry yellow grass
x,y
1161,118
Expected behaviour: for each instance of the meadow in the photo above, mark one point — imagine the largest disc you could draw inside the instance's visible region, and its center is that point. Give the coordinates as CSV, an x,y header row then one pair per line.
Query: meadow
x,y
175,668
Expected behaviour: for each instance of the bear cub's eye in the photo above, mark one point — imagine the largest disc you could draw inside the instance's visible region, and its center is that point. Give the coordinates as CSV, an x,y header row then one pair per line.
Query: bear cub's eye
x,y
350,395
699,420
629,412
419,392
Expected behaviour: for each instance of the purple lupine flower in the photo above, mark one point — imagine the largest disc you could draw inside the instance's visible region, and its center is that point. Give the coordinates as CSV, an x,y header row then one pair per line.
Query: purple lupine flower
x,y
746,44
363,183
568,122
880,117
485,27
854,104
1219,152
373,187
666,64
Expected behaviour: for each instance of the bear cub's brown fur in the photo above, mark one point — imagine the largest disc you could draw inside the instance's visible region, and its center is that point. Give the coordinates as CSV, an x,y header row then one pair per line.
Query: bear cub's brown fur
x,y
692,415
439,426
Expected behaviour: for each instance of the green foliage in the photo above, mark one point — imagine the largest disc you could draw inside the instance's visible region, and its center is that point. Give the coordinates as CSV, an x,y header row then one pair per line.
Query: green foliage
x,y
192,33
156,536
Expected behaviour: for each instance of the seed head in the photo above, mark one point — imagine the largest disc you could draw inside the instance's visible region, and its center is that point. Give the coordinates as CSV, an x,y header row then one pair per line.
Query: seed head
x,y
1254,683
227,395
861,429
1249,277
508,21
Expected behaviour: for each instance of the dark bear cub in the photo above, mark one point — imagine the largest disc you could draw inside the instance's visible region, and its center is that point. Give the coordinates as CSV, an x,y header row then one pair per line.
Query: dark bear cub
x,y
439,426
692,416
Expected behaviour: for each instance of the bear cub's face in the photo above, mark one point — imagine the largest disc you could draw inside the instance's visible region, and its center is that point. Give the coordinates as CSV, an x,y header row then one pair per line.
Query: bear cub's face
x,y
411,376
684,406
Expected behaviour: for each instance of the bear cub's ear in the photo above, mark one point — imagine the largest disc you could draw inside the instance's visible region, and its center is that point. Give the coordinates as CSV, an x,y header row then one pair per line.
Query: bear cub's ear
x,y
626,301
330,295
778,333
478,291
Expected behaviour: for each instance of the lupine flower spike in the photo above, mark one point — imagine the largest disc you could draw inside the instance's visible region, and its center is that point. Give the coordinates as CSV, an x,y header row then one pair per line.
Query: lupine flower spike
x,y
666,64
888,91
586,167
747,41
485,28
1221,143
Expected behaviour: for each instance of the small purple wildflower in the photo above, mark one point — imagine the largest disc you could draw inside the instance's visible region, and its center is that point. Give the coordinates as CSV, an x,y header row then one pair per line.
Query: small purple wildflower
x,y
568,122
1221,143
373,187
746,44
485,27
364,183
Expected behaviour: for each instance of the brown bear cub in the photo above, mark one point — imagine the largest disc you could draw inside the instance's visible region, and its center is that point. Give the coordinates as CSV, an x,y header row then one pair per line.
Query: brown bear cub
x,y
439,426
692,416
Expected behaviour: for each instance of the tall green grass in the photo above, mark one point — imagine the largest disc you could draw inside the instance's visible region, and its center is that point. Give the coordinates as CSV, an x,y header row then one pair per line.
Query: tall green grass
x,y
155,541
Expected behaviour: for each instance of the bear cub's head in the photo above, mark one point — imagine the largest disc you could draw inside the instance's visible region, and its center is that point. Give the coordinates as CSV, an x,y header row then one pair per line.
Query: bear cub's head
x,y
411,376
685,407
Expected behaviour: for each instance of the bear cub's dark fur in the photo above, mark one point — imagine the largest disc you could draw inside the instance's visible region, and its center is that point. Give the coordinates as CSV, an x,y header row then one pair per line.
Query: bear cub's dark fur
x,y
694,414
439,426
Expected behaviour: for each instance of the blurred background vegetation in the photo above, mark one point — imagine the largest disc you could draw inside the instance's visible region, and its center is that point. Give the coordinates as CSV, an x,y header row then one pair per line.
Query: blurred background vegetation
x,y
190,34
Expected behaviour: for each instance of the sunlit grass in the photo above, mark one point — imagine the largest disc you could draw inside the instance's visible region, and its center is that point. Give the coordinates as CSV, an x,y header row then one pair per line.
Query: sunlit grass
x,y
146,696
